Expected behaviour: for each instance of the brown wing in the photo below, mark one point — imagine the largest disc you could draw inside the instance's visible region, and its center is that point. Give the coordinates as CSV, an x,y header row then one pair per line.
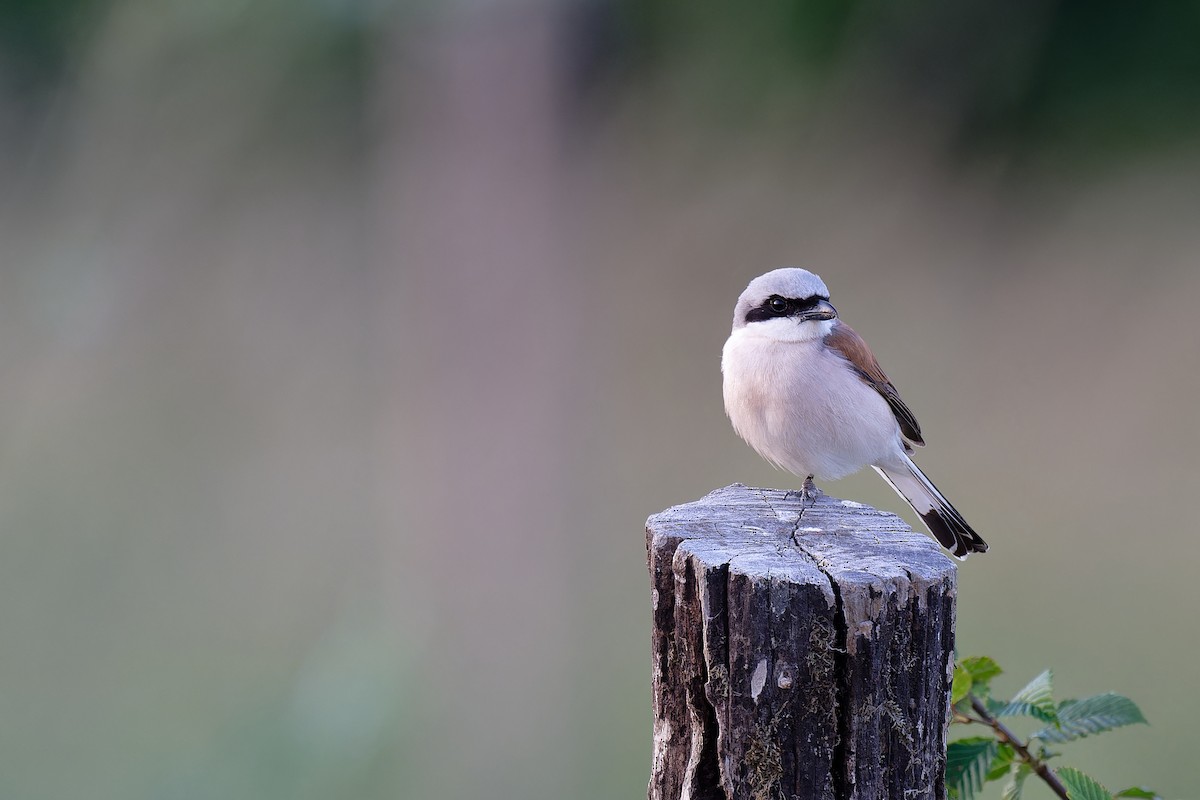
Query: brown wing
x,y
851,346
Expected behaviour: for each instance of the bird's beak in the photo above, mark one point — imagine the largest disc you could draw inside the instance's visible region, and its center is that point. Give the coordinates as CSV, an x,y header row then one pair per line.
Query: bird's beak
x,y
822,310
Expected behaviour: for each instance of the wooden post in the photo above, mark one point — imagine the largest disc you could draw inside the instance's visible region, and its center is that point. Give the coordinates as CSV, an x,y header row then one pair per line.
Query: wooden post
x,y
797,656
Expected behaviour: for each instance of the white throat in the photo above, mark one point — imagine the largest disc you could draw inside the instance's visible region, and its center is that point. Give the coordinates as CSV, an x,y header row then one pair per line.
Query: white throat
x,y
787,329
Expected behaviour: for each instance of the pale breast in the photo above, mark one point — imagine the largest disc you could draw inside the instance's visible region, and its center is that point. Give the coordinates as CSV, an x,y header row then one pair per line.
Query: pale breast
x,y
804,409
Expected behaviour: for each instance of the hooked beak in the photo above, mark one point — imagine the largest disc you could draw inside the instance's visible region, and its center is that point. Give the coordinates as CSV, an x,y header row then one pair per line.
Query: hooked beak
x,y
822,310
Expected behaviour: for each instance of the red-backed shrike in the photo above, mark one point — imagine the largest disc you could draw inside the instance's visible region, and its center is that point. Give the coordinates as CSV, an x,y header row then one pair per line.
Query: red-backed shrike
x,y
802,388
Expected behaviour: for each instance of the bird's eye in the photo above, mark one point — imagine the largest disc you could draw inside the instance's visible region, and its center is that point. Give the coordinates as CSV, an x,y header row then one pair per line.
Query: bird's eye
x,y
778,305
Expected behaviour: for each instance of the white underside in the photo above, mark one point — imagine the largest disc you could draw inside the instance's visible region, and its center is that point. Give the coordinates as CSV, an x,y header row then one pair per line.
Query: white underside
x,y
805,409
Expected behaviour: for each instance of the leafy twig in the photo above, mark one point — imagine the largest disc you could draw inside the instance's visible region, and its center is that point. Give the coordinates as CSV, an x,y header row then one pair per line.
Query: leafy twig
x,y
974,761
1005,735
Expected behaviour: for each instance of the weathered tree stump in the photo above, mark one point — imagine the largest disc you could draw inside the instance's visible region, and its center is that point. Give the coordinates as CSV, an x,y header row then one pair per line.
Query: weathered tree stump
x,y
801,657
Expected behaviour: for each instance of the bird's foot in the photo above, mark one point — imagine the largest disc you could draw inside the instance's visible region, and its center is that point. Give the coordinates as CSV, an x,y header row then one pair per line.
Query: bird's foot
x,y
808,495
810,492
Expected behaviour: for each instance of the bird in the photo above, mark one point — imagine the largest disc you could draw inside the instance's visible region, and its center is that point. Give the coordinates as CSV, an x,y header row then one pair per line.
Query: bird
x,y
802,388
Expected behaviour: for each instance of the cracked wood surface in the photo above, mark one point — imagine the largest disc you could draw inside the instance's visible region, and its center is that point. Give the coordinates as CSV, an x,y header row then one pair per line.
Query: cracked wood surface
x,y
802,656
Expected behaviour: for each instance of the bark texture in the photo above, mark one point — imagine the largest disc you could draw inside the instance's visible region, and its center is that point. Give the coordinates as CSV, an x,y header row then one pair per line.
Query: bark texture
x,y
802,656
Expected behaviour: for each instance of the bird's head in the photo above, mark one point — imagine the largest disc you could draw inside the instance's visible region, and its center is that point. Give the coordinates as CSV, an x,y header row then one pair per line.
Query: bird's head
x,y
787,305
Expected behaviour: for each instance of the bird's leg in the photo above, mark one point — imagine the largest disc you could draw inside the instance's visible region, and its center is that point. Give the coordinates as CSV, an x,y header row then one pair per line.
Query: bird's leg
x,y
810,492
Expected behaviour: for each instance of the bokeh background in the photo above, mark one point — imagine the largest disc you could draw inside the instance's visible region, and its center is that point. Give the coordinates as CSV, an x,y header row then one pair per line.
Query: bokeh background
x,y
345,346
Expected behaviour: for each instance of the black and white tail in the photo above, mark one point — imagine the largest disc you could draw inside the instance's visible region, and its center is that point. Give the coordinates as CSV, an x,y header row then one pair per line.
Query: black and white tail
x,y
942,519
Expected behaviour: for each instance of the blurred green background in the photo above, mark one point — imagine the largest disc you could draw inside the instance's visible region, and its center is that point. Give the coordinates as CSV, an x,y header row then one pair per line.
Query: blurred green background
x,y
346,345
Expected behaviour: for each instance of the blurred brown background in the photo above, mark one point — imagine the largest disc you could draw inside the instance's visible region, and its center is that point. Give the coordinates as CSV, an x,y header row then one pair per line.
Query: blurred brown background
x,y
345,346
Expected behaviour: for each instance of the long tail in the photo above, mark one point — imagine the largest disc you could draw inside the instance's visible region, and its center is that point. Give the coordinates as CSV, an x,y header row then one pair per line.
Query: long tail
x,y
942,519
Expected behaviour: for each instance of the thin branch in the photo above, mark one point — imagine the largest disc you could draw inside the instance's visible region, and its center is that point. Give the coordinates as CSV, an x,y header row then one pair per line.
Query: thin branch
x,y
1005,735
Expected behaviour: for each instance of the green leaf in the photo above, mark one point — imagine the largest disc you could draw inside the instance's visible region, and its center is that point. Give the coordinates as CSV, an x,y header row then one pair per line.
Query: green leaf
x,y
1005,756
1081,786
966,765
961,686
1016,782
1035,700
981,669
993,705
1138,791
1095,714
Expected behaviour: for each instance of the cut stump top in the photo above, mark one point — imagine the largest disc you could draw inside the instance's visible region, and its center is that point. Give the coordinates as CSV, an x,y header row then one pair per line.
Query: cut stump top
x,y
765,531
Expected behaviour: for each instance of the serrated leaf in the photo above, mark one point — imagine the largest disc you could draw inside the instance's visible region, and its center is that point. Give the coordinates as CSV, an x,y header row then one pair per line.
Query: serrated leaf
x,y
960,687
1091,715
1138,791
981,668
1035,700
1016,782
1003,760
1081,786
966,765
